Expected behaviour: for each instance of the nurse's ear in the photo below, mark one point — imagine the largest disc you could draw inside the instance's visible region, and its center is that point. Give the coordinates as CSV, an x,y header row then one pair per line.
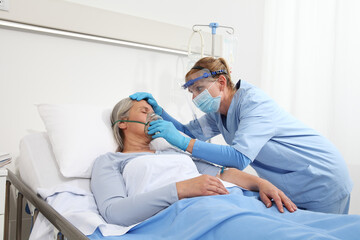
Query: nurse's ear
x,y
222,82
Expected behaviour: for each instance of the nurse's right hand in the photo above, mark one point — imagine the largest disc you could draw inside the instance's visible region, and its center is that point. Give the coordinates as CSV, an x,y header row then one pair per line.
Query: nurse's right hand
x,y
149,98
204,185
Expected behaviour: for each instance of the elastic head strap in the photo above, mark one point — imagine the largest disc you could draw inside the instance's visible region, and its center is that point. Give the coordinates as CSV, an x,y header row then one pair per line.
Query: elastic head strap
x,y
205,75
129,121
212,73
192,81
218,72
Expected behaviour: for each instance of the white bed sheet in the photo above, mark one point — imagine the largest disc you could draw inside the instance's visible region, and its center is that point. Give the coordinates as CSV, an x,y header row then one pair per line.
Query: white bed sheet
x,y
78,207
71,197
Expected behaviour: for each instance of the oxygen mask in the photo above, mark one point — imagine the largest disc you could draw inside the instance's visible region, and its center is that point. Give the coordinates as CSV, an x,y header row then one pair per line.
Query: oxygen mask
x,y
149,118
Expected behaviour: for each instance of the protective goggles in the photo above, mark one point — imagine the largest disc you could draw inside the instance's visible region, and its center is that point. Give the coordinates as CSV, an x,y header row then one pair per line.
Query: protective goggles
x,y
202,74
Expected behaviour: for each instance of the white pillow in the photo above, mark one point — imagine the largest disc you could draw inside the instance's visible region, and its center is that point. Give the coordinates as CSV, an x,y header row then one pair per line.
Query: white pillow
x,y
78,135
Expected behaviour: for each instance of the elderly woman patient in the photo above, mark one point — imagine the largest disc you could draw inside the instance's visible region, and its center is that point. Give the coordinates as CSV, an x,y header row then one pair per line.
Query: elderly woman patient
x,y
172,196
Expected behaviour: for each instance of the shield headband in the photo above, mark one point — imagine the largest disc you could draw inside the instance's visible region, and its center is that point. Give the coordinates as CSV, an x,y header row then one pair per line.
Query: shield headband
x,y
201,74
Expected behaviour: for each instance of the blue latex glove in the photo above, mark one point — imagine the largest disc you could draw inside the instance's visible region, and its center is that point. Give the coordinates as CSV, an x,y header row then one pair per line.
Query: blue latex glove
x,y
168,131
149,98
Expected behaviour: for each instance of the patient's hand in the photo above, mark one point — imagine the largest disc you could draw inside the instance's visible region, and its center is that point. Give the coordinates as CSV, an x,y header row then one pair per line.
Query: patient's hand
x,y
203,185
268,191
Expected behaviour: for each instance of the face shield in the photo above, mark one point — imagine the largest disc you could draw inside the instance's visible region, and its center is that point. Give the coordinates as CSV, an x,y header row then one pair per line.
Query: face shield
x,y
201,76
205,101
198,85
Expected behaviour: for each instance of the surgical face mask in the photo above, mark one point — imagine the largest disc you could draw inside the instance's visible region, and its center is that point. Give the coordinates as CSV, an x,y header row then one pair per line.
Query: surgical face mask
x,y
207,103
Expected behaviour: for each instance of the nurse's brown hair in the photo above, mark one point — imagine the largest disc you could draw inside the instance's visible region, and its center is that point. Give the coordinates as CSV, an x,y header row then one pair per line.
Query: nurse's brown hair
x,y
213,64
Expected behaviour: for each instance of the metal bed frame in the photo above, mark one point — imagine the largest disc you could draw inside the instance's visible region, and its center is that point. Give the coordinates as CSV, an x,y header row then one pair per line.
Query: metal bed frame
x,y
64,226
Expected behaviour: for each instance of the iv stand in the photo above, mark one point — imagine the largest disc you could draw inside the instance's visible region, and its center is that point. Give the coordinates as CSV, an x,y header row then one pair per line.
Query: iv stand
x,y
213,27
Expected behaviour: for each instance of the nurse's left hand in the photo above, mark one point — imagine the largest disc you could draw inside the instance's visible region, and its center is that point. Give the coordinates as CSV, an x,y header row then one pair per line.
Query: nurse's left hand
x,y
149,98
168,131
268,191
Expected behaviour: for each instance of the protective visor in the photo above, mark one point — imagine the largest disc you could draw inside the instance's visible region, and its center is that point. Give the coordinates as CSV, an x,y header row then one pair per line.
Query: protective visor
x,y
201,74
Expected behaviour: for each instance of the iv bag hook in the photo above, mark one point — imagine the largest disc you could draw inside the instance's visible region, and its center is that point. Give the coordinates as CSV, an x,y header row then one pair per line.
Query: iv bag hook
x,y
213,27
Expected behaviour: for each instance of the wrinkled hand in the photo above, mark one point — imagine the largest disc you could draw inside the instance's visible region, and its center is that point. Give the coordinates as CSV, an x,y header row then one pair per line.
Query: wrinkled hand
x,y
268,191
149,98
204,185
168,131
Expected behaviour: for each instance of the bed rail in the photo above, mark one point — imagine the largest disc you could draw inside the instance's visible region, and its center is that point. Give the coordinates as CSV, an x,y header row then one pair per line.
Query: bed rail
x,y
63,225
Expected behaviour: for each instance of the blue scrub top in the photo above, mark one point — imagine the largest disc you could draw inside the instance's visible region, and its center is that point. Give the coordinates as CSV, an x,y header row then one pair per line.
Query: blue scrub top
x,y
295,158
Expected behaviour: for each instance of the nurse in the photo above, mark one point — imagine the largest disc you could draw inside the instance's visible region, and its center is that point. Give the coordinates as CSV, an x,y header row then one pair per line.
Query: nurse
x,y
295,158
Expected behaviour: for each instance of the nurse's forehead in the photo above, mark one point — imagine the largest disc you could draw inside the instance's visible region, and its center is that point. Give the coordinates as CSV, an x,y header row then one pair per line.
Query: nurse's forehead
x,y
196,74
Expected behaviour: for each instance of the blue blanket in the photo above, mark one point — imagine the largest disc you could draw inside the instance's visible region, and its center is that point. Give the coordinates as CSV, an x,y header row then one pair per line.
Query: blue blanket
x,y
237,216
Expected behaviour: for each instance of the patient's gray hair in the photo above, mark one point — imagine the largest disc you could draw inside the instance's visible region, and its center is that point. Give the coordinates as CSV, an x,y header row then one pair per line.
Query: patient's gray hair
x,y
119,112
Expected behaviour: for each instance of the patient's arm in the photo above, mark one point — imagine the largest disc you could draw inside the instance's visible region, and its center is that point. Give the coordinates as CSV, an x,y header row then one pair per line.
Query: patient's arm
x,y
108,187
266,190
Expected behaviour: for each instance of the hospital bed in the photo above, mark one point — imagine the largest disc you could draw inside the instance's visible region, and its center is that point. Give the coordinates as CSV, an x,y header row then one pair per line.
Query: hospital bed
x,y
68,204
38,170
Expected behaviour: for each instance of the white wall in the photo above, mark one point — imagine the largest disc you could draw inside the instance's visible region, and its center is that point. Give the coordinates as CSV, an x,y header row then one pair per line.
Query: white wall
x,y
245,16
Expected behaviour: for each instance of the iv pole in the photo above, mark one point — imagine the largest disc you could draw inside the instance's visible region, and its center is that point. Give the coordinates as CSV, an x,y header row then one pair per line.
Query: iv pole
x,y
213,27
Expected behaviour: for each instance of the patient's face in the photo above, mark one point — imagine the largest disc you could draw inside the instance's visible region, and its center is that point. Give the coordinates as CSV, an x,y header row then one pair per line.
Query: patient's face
x,y
138,112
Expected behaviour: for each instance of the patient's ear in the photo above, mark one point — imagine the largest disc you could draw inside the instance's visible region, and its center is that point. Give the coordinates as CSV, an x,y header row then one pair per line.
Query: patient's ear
x,y
122,125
